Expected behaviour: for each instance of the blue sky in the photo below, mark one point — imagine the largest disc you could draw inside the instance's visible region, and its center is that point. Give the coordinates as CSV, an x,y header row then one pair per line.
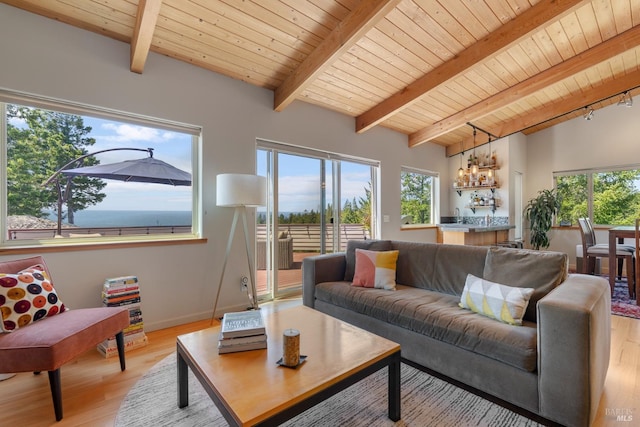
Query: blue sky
x,y
299,184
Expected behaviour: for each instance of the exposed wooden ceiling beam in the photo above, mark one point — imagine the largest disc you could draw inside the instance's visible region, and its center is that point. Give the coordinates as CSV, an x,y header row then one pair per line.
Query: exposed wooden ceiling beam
x,y
587,59
342,38
557,109
491,45
148,11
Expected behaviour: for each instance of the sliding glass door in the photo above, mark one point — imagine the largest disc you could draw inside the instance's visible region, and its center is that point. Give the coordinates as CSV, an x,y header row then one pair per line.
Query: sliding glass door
x,y
311,210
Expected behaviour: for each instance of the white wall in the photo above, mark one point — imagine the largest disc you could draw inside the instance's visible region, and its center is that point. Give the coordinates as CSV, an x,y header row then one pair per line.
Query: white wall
x,y
44,57
610,139
517,165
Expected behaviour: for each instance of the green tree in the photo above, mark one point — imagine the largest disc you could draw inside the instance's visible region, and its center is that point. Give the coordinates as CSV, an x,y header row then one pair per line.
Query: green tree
x,y
415,196
358,211
47,141
616,200
572,190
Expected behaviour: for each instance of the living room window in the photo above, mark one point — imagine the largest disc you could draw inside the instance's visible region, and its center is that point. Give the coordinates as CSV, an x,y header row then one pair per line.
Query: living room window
x,y
607,196
53,194
418,196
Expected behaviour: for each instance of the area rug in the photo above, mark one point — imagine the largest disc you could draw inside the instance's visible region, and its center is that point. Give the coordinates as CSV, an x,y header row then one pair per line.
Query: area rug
x,y
621,304
426,401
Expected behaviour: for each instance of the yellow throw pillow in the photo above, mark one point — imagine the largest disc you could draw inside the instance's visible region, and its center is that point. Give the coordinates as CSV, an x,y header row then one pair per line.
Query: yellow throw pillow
x,y
375,269
504,303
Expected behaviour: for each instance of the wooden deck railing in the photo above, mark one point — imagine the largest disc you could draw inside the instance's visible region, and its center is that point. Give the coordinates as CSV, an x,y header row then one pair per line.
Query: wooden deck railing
x,y
50,233
306,237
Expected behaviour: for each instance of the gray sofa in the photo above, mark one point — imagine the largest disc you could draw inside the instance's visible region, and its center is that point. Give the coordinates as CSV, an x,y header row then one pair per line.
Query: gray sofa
x,y
554,365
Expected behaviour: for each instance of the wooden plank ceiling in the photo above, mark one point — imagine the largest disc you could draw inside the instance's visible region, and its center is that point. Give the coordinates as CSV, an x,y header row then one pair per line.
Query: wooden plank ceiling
x,y
431,69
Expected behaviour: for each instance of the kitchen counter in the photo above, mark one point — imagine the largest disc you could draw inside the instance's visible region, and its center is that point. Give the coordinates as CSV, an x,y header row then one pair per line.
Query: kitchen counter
x,y
473,234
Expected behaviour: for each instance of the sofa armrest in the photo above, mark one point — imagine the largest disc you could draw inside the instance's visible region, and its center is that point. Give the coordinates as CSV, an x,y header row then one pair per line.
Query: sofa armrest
x,y
319,269
574,339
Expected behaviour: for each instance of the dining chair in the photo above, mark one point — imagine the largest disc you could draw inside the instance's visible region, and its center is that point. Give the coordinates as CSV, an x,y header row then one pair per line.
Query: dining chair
x,y
592,251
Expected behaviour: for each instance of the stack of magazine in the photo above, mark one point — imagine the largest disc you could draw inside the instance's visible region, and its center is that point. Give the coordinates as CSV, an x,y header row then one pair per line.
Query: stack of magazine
x,y
242,331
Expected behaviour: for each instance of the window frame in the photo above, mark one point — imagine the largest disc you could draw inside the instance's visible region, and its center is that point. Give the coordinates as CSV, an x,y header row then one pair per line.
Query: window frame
x,y
68,107
590,172
435,196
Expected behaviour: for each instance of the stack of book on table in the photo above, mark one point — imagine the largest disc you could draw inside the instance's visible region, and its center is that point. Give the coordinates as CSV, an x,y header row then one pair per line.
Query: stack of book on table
x,y
242,331
119,292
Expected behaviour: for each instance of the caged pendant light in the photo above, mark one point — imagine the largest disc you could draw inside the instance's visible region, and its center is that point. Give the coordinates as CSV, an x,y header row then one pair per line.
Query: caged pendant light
x,y
474,167
460,170
491,166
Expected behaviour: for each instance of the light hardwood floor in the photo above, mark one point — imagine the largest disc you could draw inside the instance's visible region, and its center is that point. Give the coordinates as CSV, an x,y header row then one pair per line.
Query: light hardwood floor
x,y
93,387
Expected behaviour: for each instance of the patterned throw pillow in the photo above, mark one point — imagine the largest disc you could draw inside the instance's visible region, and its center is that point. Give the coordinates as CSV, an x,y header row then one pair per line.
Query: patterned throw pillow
x,y
504,303
375,269
27,297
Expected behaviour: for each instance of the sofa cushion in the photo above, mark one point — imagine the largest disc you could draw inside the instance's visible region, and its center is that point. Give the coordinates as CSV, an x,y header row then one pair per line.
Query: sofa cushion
x,y
541,270
375,269
504,303
371,245
438,316
26,297
438,267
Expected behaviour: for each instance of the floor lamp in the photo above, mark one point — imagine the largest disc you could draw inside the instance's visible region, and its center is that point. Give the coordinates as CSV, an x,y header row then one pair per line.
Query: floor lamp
x,y
240,191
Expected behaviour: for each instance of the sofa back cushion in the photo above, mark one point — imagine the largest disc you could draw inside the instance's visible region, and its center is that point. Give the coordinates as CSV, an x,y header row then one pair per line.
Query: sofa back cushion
x,y
541,270
438,267
370,245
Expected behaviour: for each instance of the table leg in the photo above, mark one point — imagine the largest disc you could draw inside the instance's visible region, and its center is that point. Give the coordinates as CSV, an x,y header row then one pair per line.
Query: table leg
x,y
394,388
183,382
612,260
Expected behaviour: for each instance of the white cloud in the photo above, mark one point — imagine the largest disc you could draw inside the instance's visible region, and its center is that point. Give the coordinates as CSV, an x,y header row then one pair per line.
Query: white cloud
x,y
18,122
122,132
297,193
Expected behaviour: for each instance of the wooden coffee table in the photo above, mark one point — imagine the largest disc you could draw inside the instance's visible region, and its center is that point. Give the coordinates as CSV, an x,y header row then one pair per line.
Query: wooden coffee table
x,y
249,388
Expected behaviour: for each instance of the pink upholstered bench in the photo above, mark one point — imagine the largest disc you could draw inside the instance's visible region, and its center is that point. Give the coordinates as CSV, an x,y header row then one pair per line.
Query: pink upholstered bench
x,y
47,344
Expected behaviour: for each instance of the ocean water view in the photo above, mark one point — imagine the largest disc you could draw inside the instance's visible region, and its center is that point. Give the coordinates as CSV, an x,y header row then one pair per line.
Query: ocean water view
x,y
122,218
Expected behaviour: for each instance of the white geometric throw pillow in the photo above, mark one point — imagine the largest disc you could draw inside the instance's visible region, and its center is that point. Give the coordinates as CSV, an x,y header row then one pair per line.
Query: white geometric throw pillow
x,y
504,303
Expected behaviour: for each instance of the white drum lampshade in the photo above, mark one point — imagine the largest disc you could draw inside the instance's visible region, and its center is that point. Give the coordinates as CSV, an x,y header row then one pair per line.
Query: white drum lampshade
x,y
237,189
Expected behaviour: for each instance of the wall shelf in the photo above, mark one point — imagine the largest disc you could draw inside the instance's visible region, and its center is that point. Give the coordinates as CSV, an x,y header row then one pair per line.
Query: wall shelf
x,y
492,207
459,190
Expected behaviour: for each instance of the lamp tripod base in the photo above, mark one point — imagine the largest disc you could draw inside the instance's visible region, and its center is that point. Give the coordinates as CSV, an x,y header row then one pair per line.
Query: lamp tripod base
x,y
252,293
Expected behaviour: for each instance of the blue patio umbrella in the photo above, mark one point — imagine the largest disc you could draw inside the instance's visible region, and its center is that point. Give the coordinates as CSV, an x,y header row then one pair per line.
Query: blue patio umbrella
x,y
148,169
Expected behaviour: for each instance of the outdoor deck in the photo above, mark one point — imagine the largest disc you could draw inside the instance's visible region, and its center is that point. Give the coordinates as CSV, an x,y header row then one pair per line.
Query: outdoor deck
x,y
305,240
287,279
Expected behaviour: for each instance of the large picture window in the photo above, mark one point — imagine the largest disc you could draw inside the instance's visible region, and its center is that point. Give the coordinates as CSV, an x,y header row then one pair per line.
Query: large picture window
x,y
606,196
144,187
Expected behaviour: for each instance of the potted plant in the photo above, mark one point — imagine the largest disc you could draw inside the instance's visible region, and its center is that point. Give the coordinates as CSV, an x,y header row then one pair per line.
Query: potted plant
x,y
539,212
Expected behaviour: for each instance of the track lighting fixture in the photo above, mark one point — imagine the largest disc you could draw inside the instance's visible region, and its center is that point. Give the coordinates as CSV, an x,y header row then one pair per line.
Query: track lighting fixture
x,y
626,100
588,113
